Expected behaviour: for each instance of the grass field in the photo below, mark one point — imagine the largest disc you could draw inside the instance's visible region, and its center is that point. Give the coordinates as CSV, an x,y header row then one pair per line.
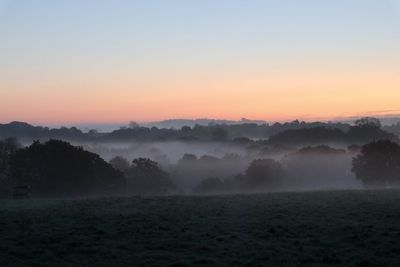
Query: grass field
x,y
343,228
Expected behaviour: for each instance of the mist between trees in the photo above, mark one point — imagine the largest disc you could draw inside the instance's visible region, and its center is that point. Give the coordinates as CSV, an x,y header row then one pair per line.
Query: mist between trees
x,y
308,158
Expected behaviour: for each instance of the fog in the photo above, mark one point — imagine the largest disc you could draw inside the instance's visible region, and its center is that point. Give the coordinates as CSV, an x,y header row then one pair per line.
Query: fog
x,y
191,163
165,152
319,171
182,167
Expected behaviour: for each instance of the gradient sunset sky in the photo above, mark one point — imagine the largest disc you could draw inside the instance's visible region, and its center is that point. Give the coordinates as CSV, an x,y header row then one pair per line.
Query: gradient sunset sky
x,y
77,61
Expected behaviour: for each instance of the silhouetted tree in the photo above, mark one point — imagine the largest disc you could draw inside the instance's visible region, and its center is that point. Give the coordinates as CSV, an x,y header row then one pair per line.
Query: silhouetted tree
x,y
145,177
367,130
368,122
57,168
8,147
119,163
262,175
378,164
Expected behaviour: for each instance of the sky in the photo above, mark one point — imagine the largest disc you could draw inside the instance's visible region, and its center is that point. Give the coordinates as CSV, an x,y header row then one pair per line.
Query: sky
x,y
74,61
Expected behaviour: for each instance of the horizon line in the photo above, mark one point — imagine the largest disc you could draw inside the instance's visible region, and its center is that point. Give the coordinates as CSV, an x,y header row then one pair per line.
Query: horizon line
x,y
337,119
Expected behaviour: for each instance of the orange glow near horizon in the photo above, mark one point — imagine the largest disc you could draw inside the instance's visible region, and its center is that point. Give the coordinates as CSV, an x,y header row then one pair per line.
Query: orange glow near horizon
x,y
271,96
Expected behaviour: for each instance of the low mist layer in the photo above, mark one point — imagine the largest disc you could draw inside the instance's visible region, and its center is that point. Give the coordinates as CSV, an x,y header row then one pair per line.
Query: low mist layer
x,y
308,158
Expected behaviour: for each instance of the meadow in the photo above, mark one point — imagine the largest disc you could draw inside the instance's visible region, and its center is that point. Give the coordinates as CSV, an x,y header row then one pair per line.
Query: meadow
x,y
326,228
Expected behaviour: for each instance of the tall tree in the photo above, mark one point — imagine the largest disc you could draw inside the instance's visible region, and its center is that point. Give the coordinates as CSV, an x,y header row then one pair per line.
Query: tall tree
x,y
145,177
378,164
57,168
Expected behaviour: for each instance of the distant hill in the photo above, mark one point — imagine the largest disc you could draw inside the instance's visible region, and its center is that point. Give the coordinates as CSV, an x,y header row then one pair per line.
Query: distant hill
x,y
179,123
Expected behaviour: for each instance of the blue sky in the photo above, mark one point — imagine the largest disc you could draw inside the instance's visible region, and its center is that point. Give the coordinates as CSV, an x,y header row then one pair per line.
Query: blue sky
x,y
62,46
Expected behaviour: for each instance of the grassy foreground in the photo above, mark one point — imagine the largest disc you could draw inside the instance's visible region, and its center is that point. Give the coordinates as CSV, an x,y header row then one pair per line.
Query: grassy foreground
x,y
343,228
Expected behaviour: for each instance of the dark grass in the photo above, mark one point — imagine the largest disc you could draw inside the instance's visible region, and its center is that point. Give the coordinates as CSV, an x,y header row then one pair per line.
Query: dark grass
x,y
342,228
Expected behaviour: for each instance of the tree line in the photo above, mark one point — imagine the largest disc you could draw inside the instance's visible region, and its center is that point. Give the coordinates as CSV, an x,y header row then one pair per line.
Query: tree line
x,y
245,132
56,168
